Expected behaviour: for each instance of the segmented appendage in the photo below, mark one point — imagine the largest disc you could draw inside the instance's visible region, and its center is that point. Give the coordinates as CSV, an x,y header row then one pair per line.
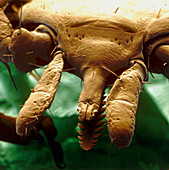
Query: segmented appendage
x,y
42,96
90,130
122,102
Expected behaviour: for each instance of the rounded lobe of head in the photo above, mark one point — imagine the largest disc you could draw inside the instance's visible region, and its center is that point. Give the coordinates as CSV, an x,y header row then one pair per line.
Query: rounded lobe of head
x,y
30,48
160,60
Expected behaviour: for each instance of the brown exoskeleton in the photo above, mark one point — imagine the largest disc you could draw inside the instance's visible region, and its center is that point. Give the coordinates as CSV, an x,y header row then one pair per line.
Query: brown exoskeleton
x,y
8,123
101,43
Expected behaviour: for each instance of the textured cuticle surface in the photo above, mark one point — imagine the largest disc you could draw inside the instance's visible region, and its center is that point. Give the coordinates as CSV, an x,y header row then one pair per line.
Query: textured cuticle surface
x,y
121,105
42,95
87,110
100,48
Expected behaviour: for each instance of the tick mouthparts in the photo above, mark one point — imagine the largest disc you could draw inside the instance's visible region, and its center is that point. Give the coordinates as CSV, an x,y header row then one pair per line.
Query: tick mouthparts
x,y
87,111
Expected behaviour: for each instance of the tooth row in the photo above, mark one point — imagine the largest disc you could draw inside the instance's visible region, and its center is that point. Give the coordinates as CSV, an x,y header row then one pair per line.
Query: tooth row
x,y
90,130
86,143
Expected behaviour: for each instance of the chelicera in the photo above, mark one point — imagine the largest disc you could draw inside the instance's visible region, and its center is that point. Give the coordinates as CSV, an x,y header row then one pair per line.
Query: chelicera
x,y
100,45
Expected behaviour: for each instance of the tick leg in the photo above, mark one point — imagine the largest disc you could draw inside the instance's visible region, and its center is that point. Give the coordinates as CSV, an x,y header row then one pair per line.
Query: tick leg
x,y
45,123
42,96
8,132
160,60
122,103
48,127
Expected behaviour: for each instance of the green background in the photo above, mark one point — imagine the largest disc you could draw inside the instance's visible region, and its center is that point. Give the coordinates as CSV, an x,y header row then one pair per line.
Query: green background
x,y
149,148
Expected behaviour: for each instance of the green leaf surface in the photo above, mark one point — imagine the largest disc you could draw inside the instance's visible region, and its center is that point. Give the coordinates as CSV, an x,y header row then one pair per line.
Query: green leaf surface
x,y
149,148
